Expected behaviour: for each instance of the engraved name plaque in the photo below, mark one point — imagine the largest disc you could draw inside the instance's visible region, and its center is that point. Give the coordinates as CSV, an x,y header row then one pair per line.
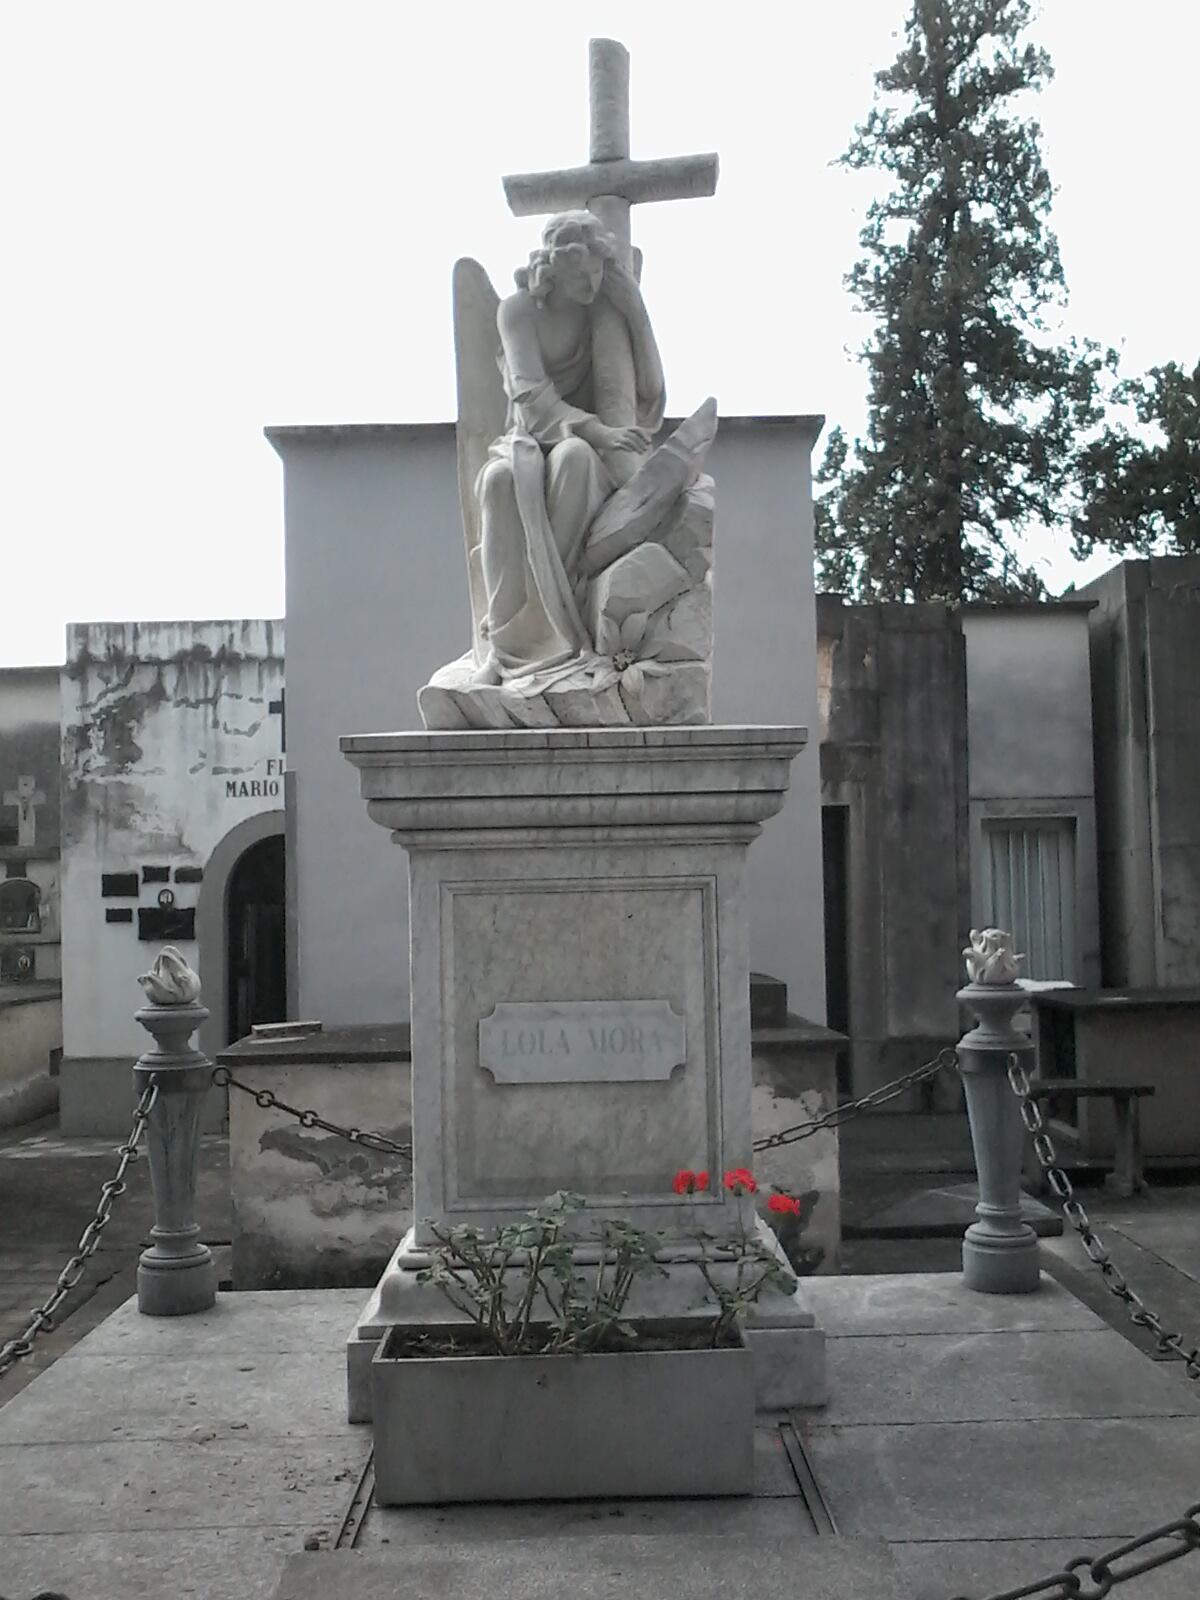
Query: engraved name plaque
x,y
582,1041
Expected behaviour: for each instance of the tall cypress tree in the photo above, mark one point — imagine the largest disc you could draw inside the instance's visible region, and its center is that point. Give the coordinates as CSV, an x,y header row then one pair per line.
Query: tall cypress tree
x,y
1141,487
973,408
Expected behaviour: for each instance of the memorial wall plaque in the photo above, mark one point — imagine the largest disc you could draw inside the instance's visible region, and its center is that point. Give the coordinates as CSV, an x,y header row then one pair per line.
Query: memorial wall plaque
x,y
582,1041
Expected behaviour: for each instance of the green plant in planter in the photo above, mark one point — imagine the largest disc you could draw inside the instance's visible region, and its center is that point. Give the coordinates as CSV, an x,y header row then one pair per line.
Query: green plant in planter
x,y
587,1302
587,1308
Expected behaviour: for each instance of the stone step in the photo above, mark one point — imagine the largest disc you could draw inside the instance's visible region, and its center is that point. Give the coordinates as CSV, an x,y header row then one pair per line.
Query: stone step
x,y
604,1567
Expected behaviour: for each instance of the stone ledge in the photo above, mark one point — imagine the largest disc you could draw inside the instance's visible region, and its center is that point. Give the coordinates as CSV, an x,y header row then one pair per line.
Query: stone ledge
x,y
1115,999
360,1044
27,994
450,744
798,1033
387,1042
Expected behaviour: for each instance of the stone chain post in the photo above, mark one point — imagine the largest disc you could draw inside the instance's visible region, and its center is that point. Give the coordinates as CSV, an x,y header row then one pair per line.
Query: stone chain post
x,y
1000,1252
176,1274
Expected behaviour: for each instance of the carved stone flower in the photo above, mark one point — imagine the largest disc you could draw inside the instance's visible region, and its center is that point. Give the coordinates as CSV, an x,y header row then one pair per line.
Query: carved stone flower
x,y
634,657
990,957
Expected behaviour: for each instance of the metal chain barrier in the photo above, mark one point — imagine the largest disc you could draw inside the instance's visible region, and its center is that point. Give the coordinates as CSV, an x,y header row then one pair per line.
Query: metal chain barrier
x,y
1093,1577
1169,1344
942,1062
224,1079
42,1320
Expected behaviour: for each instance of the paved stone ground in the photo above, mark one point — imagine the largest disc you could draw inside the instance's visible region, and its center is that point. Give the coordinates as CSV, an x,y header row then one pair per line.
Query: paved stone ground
x,y
984,1439
49,1187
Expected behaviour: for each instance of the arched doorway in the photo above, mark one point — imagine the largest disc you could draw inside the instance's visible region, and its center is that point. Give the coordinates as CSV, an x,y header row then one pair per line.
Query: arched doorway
x,y
255,939
214,922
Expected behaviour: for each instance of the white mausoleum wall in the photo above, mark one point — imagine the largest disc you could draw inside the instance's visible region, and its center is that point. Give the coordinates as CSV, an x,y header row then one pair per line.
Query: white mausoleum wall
x,y
169,743
377,599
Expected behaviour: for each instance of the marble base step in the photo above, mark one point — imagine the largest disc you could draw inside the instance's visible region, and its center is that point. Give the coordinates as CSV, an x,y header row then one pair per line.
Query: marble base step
x,y
605,1567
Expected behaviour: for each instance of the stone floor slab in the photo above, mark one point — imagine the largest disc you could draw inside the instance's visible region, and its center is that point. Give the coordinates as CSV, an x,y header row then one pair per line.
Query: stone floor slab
x,y
189,1398
1086,1479
938,1302
1170,1293
966,1567
982,1377
654,1568
1175,1238
212,1564
143,1485
396,1528
280,1320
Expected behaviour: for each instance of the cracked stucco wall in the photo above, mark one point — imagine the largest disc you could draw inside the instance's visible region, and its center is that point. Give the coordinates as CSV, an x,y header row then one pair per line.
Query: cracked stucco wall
x,y
168,742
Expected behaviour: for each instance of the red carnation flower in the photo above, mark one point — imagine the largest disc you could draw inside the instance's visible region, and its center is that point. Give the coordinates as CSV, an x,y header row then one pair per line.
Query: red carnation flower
x,y
684,1181
739,1180
702,1180
785,1204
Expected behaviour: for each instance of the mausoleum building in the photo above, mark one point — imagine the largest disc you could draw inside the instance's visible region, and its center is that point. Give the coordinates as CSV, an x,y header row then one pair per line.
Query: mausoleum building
x,y
172,804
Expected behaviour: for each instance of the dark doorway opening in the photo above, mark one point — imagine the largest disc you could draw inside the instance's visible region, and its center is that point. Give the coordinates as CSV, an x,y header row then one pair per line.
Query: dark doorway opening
x,y
255,939
835,850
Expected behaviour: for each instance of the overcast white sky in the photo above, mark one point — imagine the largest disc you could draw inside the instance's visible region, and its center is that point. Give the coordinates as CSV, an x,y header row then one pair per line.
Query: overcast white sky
x,y
225,215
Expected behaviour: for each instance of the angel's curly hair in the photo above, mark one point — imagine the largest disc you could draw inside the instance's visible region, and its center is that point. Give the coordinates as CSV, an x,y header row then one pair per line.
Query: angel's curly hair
x,y
568,236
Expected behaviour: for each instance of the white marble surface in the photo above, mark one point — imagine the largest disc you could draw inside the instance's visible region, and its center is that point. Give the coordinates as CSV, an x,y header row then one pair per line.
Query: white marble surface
x,y
551,922
567,499
421,785
582,1041
553,868
547,870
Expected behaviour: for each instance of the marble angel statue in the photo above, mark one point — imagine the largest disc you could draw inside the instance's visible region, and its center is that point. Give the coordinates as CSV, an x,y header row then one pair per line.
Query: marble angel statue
x,y
589,546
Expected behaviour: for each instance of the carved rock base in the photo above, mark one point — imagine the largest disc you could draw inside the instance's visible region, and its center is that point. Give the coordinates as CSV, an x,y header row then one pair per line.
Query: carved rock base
x,y
650,616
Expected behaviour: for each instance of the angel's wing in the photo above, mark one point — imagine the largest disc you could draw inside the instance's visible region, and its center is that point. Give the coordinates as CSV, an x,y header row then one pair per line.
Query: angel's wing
x,y
482,410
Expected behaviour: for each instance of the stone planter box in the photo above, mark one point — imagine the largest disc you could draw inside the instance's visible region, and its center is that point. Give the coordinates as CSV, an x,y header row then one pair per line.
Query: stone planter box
x,y
630,1425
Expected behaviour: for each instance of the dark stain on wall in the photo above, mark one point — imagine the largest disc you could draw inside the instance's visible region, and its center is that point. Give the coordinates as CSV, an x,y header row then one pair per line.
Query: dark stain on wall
x,y
386,1182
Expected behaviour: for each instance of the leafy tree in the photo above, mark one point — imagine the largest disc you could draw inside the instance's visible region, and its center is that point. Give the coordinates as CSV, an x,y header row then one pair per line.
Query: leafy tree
x,y
973,408
1139,494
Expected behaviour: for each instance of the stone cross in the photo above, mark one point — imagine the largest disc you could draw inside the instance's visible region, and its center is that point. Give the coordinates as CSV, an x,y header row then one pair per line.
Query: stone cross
x,y
26,797
611,182
608,186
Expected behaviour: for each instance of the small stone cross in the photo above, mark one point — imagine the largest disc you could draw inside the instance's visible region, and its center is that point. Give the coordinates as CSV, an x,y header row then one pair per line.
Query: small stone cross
x,y
26,797
608,186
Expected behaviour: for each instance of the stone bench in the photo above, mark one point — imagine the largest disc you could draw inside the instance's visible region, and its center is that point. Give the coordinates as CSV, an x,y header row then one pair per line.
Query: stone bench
x,y
1126,1177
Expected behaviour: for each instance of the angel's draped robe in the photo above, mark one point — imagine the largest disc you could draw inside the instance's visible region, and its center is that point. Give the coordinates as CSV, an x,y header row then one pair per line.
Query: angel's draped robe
x,y
538,492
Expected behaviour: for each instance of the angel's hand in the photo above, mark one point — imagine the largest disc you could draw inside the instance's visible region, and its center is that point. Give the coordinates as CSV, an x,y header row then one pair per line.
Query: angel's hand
x,y
605,439
628,439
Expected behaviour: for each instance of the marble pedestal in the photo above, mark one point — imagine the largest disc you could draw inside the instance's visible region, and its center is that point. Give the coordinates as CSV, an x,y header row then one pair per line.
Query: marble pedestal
x,y
580,994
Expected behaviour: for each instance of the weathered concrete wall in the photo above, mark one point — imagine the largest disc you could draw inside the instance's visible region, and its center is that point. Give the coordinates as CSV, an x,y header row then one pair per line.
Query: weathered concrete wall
x,y
309,1208
29,828
1173,727
1122,798
1030,750
1145,652
30,1035
169,743
376,600
893,751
